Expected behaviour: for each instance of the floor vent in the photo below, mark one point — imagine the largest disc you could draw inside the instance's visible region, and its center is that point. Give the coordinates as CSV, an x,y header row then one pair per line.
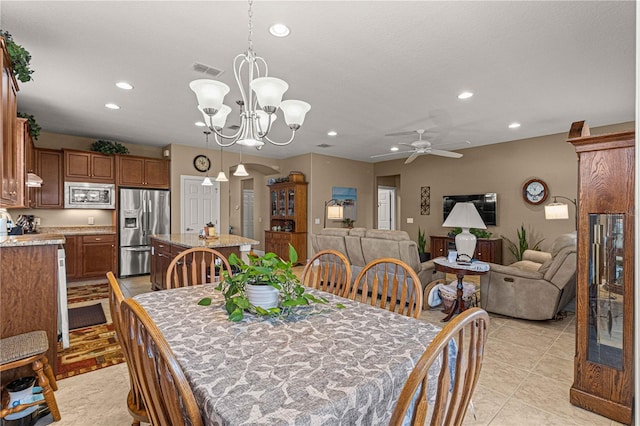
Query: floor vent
x,y
206,69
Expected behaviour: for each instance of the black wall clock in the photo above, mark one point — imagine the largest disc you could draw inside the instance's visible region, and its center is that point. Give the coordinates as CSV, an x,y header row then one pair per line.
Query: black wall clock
x,y
535,191
202,163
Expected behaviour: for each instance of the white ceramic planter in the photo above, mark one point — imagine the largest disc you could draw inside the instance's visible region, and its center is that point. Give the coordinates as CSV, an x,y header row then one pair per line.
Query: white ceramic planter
x,y
264,296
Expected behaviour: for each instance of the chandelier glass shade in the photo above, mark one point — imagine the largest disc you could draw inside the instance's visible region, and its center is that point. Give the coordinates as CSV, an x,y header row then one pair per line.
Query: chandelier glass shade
x,y
258,105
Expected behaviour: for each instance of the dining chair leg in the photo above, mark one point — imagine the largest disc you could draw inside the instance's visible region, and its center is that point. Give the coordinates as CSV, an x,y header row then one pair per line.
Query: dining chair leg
x,y
49,372
47,392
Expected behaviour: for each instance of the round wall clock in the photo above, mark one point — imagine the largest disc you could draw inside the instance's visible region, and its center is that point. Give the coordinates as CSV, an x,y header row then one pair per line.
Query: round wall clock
x,y
202,163
535,191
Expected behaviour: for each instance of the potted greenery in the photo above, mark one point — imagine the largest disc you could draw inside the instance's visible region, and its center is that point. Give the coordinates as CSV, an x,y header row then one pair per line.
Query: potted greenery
x,y
422,246
523,244
109,147
210,229
20,58
34,127
348,222
278,289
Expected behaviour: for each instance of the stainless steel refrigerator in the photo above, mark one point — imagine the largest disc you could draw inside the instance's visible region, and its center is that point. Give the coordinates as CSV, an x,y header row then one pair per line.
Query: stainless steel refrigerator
x,y
143,212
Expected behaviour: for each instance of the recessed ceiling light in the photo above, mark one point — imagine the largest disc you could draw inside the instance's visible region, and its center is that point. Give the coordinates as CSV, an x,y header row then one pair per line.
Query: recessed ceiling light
x,y
124,85
200,124
332,133
514,125
465,95
279,30
112,106
394,148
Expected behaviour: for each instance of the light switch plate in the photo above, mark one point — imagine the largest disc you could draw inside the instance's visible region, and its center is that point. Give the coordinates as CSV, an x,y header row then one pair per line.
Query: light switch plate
x,y
90,220
316,221
409,220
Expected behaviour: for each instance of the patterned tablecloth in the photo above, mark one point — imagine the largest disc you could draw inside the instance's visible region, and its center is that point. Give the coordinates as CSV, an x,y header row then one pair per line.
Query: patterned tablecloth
x,y
326,366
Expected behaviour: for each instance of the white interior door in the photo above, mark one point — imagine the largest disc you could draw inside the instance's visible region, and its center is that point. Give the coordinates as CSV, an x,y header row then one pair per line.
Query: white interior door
x,y
199,204
386,208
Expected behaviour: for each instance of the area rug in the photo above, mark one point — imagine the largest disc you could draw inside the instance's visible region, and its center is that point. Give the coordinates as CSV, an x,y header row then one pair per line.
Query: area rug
x,y
86,316
90,348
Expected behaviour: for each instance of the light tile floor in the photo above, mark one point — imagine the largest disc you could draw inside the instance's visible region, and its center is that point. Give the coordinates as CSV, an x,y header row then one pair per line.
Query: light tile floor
x,y
525,378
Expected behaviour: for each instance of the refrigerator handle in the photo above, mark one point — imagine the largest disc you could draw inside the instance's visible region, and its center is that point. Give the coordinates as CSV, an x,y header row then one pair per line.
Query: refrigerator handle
x,y
144,214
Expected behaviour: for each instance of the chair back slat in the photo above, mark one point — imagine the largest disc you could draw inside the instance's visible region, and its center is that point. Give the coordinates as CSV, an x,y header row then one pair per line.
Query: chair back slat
x,y
331,274
166,392
391,284
134,399
196,266
464,338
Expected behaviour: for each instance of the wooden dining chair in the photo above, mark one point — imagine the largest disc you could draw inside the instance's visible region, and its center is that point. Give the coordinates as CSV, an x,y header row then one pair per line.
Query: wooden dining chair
x,y
391,284
135,404
469,332
194,266
328,270
167,395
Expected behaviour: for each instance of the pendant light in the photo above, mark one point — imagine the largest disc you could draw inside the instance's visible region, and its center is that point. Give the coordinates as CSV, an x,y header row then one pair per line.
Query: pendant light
x,y
207,180
240,170
221,176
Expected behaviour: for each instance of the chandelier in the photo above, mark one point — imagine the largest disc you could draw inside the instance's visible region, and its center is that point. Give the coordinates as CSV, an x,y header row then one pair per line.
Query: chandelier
x,y
255,123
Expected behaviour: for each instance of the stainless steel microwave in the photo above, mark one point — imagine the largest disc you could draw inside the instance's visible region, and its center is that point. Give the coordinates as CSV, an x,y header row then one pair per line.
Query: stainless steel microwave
x,y
81,195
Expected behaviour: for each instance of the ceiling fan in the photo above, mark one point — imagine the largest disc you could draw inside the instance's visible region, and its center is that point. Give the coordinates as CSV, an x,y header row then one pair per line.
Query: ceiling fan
x,y
419,147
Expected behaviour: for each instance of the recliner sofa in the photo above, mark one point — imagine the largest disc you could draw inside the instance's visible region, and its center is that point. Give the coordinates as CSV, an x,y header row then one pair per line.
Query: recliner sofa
x,y
536,288
362,245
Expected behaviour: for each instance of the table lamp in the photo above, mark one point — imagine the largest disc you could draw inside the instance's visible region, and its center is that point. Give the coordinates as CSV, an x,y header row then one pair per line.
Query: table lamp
x,y
465,216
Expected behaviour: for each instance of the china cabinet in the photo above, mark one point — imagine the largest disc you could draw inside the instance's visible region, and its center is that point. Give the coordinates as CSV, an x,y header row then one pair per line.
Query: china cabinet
x,y
288,219
603,370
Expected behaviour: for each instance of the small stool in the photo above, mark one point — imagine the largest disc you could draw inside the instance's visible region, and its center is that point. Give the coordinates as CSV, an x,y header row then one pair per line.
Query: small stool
x,y
24,349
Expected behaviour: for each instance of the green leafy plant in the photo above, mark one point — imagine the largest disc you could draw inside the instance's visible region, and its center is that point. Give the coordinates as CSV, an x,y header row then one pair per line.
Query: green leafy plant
x,y
109,147
348,222
422,242
268,269
209,224
20,58
517,249
34,127
479,233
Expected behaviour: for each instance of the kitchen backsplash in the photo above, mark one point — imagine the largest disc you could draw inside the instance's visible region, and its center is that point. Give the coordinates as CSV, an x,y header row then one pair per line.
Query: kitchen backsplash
x,y
68,217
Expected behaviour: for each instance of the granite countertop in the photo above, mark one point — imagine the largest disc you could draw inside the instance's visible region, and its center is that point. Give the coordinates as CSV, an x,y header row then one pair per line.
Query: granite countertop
x,y
77,230
31,240
192,240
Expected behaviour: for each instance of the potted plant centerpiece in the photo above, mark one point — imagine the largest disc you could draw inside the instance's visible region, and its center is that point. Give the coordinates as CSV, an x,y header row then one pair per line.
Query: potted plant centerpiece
x,y
422,246
265,286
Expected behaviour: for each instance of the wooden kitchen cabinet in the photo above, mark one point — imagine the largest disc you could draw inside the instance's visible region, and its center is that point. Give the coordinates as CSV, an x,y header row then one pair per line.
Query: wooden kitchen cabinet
x,y
11,154
487,249
29,297
23,135
142,172
90,256
288,213
605,294
85,166
49,167
160,259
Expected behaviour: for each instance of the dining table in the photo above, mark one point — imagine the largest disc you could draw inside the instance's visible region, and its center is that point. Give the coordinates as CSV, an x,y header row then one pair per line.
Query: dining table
x,y
339,363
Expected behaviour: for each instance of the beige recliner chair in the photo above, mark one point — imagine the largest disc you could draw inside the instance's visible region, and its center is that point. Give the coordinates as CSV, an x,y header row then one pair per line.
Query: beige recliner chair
x,y
535,288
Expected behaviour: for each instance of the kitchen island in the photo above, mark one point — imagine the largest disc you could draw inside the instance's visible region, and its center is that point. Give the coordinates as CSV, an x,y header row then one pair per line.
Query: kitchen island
x,y
165,247
29,291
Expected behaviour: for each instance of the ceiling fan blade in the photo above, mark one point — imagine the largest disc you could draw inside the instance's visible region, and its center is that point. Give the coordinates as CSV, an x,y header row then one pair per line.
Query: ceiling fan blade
x,y
405,144
412,157
442,153
408,132
390,153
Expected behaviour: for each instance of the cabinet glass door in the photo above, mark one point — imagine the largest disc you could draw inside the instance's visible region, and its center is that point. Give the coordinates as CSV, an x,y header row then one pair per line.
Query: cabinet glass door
x,y
606,289
281,202
274,203
291,202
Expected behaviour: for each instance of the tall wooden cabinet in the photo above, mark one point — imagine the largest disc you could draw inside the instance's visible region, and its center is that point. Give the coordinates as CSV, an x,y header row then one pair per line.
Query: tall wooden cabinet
x,y
12,154
288,219
603,372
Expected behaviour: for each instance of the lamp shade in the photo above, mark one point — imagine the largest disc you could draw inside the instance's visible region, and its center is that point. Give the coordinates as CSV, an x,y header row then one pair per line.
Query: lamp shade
x,y
335,212
219,118
221,177
210,93
241,171
464,215
269,91
553,211
263,121
294,112
207,182
250,142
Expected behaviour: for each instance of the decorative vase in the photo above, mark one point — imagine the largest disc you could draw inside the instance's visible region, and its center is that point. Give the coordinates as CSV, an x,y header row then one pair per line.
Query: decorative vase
x,y
264,296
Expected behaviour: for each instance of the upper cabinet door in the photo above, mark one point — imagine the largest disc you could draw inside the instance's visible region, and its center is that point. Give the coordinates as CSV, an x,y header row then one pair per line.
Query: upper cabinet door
x,y
143,172
81,166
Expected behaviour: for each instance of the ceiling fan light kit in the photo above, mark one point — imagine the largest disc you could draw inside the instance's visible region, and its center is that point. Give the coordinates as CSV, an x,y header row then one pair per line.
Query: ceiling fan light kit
x,y
255,123
420,147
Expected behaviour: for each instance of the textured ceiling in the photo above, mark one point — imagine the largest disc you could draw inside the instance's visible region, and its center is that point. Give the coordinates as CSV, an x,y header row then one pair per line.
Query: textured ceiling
x,y
366,68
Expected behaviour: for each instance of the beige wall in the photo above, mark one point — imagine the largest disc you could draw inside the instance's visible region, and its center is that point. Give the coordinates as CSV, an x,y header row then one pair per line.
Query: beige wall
x,y
57,141
501,168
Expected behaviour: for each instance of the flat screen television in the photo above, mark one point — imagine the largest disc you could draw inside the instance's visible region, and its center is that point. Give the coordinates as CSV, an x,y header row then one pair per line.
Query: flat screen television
x,y
486,204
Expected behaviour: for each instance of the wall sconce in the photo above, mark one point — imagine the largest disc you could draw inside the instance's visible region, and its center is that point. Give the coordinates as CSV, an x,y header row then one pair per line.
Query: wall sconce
x,y
555,210
333,210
